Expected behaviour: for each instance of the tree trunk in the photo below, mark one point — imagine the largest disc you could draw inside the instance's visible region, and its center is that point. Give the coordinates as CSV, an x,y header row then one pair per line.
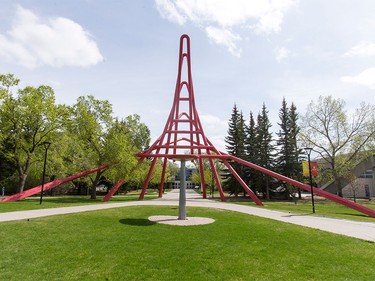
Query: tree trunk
x,y
338,186
23,173
21,182
79,188
93,192
95,184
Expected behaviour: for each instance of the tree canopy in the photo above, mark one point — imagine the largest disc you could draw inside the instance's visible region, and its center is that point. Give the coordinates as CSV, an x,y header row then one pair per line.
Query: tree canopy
x,y
83,136
341,139
27,119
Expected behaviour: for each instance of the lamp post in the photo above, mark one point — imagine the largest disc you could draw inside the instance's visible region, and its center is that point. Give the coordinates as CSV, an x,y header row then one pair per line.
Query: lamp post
x,y
46,145
308,152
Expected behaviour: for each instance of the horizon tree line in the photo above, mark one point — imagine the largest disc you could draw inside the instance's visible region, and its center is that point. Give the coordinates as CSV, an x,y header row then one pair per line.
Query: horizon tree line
x,y
87,134
83,135
340,140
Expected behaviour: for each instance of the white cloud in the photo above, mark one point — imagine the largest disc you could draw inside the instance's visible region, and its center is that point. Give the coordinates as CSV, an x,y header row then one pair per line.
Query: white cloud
x,y
281,53
211,121
365,78
270,16
33,41
224,37
364,49
218,142
227,17
169,11
215,129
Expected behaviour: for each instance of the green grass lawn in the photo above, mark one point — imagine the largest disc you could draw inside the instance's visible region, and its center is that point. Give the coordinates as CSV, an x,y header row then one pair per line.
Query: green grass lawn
x,y
323,207
33,203
121,244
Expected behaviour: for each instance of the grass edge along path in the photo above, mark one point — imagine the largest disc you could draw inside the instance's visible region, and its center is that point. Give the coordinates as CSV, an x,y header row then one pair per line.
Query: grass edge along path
x,y
323,208
33,203
121,244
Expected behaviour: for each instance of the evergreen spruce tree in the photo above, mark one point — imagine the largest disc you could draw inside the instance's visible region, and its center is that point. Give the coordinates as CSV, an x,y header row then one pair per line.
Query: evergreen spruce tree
x,y
287,161
264,150
250,149
295,166
235,146
283,160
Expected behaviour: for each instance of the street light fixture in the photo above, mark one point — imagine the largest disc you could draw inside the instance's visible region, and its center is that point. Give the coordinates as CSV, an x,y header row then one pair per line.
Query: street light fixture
x,y
46,145
308,152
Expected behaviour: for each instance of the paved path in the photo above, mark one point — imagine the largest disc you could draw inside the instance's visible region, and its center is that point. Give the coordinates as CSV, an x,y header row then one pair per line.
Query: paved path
x,y
361,230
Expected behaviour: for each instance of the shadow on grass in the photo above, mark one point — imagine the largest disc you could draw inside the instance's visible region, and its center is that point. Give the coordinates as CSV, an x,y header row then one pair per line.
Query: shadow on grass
x,y
81,200
62,200
137,222
74,200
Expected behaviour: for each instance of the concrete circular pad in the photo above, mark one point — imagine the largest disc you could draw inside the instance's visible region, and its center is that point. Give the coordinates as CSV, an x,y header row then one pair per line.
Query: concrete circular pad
x,y
173,220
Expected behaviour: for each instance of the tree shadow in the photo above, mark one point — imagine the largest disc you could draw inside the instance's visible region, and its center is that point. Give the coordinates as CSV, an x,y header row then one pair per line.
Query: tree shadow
x,y
137,222
64,200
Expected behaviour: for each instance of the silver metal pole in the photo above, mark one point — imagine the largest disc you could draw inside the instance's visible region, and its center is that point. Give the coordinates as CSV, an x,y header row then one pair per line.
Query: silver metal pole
x,y
182,199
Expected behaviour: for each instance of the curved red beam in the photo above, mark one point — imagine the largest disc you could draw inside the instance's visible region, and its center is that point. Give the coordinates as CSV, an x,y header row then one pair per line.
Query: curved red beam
x,y
49,185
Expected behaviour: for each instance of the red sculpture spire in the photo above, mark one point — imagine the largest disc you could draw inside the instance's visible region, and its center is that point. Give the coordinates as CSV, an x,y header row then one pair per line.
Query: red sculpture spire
x,y
183,135
183,130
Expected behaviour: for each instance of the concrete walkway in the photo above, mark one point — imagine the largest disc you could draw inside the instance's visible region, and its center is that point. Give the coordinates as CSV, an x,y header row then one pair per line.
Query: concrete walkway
x,y
361,230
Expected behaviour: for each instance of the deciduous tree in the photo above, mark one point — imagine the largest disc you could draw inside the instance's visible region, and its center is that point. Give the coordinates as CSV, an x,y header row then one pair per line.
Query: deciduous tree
x,y
27,119
341,138
209,178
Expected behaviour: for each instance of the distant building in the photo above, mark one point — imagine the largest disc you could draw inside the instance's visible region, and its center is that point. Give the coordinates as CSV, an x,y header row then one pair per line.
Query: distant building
x,y
175,184
364,184
362,187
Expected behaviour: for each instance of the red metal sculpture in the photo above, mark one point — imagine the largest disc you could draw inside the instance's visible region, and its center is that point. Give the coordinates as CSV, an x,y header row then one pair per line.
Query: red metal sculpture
x,y
183,138
50,185
183,135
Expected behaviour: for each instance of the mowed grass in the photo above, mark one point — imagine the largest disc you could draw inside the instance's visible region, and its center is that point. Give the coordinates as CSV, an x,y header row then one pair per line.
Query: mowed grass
x,y
121,244
323,207
33,203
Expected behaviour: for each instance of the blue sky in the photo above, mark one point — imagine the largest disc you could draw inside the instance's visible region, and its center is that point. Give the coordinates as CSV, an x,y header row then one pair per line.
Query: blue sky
x,y
244,52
